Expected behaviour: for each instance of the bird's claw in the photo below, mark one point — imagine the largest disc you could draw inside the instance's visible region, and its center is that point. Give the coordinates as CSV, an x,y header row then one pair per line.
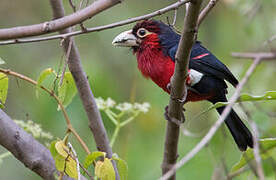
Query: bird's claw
x,y
169,86
178,122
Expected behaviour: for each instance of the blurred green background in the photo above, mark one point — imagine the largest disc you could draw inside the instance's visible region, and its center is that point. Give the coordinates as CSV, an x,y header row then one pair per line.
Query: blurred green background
x,y
232,26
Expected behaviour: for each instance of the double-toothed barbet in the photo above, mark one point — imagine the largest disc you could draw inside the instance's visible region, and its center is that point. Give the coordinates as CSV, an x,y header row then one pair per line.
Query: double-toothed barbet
x,y
155,44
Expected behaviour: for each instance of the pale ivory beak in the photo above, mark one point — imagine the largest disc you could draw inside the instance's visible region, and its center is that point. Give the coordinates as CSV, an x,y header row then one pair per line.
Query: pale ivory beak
x,y
125,39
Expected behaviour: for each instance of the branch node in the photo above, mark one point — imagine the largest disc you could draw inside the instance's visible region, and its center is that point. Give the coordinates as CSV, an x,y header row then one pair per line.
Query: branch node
x,y
46,27
83,28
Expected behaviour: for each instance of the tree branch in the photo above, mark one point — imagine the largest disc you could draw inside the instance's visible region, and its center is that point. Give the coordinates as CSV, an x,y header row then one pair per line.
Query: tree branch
x,y
252,55
99,28
86,95
178,88
51,93
205,11
26,149
218,123
58,24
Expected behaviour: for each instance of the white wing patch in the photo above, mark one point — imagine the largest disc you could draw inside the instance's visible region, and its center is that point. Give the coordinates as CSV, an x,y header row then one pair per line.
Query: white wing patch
x,y
194,77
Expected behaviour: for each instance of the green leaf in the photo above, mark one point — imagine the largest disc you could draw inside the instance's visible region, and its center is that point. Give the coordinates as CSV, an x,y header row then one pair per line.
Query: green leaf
x,y
269,95
92,157
266,147
4,83
104,170
42,76
2,61
67,90
122,167
63,161
53,148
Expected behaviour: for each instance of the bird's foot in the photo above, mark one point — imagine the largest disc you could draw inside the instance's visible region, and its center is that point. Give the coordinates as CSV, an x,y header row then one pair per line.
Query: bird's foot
x,y
169,87
178,122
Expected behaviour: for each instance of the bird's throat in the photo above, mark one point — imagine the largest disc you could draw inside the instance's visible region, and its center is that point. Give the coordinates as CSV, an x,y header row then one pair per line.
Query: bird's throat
x,y
155,65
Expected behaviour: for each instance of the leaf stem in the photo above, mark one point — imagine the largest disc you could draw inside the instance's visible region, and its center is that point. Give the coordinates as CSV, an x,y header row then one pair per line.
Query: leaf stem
x,y
109,114
129,119
68,122
115,134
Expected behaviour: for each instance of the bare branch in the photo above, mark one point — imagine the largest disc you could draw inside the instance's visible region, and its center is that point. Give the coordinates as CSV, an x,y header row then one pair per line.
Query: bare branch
x,y
26,149
86,95
58,24
178,89
174,17
66,61
99,28
252,55
218,123
256,150
272,38
205,11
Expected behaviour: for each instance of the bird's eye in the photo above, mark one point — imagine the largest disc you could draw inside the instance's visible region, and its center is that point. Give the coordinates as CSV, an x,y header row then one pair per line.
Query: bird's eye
x,y
142,32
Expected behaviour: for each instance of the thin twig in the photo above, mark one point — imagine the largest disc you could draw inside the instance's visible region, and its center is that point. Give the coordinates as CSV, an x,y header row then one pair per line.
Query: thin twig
x,y
73,6
253,55
57,24
70,42
205,11
218,123
66,61
174,17
99,28
178,90
51,93
237,173
256,150
272,38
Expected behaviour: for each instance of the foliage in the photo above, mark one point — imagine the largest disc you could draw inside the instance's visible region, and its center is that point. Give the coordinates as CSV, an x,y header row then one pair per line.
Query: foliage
x,y
34,128
121,166
43,75
269,95
120,114
67,90
4,84
267,147
103,165
65,159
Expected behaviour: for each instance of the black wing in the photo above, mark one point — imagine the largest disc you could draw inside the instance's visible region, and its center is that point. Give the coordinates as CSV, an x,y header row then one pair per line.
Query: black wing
x,y
205,62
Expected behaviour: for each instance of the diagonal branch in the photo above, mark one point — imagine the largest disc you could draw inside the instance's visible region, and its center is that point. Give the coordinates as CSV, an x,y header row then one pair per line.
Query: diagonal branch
x,y
218,123
86,95
99,28
57,24
205,11
26,149
254,55
178,88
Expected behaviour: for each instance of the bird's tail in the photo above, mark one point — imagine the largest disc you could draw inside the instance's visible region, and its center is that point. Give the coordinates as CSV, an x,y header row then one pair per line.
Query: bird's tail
x,y
239,131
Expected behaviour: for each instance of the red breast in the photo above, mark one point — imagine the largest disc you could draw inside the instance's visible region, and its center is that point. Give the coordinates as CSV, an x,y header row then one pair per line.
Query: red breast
x,y
153,63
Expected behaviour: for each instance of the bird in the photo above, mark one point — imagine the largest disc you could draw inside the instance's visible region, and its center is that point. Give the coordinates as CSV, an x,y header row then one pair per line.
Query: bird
x,y
155,43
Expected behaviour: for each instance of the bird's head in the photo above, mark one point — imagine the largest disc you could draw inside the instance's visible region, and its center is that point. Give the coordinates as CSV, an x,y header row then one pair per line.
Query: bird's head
x,y
147,32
